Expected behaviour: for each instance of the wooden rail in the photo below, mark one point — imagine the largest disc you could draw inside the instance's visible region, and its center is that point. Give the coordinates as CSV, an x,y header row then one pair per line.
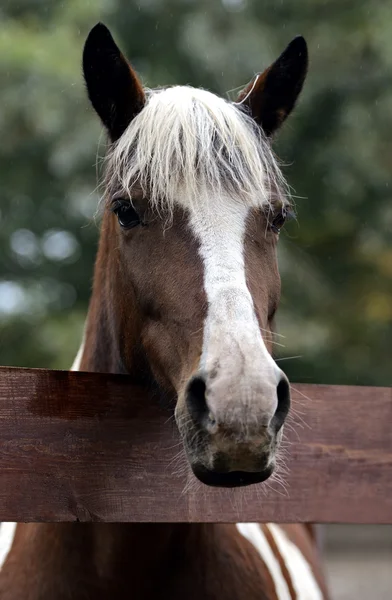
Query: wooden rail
x,y
83,446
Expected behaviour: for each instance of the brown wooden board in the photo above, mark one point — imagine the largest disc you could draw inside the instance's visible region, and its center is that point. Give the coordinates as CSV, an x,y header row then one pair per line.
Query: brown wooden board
x,y
83,446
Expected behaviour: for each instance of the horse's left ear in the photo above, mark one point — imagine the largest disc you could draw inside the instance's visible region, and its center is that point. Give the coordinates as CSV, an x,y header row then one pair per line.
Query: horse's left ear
x,y
113,87
271,96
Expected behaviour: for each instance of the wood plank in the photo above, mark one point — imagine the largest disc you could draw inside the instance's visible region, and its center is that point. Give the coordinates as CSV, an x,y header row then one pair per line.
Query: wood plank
x,y
84,446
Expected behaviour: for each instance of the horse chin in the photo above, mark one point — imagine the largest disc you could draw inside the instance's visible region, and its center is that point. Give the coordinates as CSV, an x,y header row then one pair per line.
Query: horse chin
x,y
230,479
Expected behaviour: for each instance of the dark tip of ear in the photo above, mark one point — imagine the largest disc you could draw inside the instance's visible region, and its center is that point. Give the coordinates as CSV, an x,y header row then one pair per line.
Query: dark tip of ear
x,y
100,37
99,30
99,43
299,42
296,48
99,53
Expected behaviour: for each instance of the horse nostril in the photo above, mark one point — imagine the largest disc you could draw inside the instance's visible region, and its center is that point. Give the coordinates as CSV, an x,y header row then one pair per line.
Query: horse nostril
x,y
283,394
197,403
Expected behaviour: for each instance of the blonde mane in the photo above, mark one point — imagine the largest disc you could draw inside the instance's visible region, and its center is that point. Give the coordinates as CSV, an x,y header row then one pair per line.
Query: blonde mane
x,y
187,141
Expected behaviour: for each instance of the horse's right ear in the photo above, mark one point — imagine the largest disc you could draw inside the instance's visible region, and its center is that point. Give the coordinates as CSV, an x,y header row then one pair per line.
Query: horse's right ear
x,y
113,87
271,96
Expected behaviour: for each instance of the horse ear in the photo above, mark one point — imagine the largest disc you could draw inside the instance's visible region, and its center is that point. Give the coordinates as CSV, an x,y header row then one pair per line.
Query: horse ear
x,y
271,96
113,87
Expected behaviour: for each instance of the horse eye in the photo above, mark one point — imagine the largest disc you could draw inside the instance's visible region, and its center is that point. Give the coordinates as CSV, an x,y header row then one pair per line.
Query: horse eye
x,y
126,214
277,222
280,218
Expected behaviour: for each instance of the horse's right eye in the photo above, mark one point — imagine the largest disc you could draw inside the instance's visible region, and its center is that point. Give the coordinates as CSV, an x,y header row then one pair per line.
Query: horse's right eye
x,y
126,214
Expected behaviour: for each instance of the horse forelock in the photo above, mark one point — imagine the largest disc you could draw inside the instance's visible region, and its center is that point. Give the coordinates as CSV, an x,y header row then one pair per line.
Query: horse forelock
x,y
186,142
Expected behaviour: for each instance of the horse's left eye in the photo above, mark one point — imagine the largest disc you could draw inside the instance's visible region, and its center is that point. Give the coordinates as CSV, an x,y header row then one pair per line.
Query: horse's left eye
x,y
126,214
279,219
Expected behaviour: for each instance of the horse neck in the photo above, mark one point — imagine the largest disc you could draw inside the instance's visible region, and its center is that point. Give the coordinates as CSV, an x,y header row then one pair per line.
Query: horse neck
x,y
108,315
126,548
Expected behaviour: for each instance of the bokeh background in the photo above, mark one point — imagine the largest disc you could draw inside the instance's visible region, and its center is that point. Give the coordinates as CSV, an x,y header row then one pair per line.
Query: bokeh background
x,y
336,260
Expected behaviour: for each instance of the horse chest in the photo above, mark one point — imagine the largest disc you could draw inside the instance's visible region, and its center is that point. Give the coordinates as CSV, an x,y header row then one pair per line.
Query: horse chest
x,y
209,562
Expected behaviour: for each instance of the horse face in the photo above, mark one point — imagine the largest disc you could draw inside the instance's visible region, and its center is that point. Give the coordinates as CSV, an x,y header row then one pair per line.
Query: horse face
x,y
206,296
195,206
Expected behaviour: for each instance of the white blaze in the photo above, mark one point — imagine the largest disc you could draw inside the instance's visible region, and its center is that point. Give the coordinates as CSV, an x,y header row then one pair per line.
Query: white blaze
x,y
232,337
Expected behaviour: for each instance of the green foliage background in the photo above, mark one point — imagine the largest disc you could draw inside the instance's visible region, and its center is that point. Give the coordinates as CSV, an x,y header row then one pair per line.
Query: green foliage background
x,y
336,262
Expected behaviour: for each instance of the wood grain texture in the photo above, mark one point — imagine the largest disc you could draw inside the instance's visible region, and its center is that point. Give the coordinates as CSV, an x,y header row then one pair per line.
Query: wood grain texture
x,y
84,446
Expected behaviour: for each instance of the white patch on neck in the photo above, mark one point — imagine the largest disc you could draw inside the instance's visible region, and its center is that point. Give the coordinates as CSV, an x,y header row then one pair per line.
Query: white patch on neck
x,y
301,574
7,535
78,358
254,534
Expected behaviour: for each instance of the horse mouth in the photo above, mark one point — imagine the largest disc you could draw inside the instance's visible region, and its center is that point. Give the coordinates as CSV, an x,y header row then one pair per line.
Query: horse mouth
x,y
232,478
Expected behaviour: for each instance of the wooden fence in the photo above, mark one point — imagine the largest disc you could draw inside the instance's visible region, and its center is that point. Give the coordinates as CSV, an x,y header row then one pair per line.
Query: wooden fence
x,y
93,447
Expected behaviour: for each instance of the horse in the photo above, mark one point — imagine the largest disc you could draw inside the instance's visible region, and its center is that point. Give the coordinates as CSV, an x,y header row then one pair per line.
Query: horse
x,y
186,286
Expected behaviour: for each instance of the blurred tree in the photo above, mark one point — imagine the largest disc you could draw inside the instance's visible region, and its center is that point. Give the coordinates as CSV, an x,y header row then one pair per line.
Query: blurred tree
x,y
336,261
